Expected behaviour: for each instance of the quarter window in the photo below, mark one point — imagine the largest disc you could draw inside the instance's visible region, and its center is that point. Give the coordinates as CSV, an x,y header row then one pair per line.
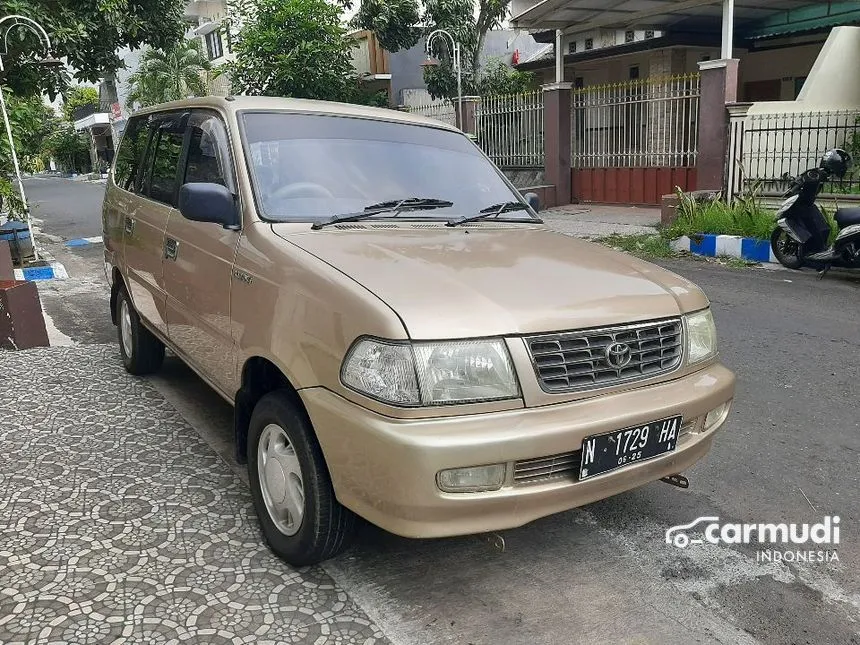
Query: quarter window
x,y
207,151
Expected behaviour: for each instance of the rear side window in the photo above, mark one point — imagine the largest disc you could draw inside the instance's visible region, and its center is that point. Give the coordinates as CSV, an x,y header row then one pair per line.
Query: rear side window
x,y
167,146
129,158
208,157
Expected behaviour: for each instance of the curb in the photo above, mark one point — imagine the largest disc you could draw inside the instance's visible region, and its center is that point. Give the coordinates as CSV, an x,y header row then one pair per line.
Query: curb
x,y
733,246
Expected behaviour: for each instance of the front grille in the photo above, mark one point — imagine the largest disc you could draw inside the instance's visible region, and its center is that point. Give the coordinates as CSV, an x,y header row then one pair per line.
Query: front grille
x,y
578,360
564,465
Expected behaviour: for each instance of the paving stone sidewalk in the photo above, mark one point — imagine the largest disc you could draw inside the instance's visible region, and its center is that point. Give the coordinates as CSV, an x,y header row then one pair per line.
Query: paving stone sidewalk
x,y
598,220
118,524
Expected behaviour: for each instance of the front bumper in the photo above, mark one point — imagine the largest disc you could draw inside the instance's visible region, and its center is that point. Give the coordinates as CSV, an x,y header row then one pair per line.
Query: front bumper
x,y
385,469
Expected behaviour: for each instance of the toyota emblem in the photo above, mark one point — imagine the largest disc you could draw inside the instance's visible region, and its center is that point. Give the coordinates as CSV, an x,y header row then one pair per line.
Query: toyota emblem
x,y
618,355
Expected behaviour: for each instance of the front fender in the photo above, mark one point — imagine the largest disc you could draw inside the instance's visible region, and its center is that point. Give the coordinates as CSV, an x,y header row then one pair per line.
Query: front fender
x,y
299,312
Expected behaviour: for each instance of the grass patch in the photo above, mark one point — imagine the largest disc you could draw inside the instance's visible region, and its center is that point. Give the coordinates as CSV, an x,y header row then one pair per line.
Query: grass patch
x,y
735,263
656,247
644,245
745,216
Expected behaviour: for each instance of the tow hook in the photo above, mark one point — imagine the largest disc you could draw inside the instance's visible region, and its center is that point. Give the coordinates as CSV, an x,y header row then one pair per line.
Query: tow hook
x,y
495,540
676,480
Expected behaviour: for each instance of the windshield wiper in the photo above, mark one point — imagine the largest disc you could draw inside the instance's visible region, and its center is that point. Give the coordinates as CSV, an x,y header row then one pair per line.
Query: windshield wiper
x,y
494,211
395,206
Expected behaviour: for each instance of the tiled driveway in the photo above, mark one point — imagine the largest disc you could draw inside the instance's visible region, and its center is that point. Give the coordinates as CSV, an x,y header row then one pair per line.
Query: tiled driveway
x,y
118,524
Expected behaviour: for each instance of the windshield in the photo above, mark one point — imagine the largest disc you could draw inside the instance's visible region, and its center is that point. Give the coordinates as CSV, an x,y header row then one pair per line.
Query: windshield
x,y
312,167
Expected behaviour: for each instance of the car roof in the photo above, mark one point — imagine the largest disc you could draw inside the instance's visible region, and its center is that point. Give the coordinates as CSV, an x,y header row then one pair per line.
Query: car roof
x,y
298,106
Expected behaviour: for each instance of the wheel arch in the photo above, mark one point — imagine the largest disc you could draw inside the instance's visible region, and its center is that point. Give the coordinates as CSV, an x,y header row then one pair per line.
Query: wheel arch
x,y
259,377
117,283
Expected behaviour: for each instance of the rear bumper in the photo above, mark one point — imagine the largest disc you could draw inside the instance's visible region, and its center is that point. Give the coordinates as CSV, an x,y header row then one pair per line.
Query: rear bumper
x,y
385,469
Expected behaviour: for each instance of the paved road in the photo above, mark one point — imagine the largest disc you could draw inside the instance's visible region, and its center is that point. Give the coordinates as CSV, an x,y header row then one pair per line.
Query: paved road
x,y
790,452
70,209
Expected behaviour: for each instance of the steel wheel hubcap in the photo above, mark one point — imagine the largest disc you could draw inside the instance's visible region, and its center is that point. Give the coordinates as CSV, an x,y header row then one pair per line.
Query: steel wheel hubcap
x,y
281,480
125,327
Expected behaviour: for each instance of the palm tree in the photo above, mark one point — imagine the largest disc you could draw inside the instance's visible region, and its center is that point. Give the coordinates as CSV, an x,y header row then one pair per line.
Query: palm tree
x,y
168,75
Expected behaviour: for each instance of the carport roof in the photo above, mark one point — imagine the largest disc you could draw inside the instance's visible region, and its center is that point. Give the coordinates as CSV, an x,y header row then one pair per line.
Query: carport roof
x,y
578,16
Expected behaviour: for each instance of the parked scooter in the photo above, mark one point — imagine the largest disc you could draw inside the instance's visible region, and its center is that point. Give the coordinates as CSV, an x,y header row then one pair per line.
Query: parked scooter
x,y
802,232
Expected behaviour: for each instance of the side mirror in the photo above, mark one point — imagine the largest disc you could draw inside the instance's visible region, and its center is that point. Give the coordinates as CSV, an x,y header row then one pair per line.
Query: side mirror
x,y
204,202
533,201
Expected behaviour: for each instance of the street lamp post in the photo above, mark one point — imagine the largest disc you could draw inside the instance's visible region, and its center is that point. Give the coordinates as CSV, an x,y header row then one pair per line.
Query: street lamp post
x,y
36,28
432,62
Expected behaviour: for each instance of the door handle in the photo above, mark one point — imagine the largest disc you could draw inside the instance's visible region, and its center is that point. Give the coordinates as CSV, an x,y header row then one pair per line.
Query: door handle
x,y
129,225
171,248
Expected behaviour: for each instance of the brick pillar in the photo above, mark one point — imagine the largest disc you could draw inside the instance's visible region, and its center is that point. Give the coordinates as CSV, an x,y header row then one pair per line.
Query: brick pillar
x,y
719,86
470,106
556,133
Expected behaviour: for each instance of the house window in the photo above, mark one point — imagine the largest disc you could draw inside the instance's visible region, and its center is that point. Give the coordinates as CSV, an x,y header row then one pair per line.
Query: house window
x,y
629,36
589,43
649,33
571,47
213,44
634,73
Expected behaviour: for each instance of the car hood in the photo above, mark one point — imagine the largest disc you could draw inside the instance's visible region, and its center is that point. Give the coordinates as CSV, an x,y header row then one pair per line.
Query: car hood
x,y
486,280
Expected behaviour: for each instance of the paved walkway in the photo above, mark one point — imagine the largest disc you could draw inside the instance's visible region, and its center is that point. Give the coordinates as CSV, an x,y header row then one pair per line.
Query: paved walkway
x,y
597,220
118,524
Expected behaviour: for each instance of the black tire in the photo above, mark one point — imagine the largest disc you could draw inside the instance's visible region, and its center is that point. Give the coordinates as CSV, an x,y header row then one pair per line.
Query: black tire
x,y
144,353
787,251
326,527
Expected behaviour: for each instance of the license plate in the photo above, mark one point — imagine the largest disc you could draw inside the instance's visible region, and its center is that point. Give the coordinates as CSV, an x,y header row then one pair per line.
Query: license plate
x,y
604,452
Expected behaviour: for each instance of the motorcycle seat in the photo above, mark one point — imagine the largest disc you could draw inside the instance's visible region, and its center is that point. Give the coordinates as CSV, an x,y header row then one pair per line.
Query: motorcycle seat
x,y
847,216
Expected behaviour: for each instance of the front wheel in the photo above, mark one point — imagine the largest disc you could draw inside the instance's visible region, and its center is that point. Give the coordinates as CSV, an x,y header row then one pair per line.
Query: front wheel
x,y
290,484
787,250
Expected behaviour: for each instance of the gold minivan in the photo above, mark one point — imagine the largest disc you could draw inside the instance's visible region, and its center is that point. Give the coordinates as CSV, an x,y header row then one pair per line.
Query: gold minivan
x,y
401,337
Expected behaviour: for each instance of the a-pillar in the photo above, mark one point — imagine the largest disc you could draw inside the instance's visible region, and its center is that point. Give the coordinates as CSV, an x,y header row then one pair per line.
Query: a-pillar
x,y
719,86
556,133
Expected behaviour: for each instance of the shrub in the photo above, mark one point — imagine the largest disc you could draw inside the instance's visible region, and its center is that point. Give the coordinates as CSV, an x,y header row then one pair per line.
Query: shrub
x,y
745,216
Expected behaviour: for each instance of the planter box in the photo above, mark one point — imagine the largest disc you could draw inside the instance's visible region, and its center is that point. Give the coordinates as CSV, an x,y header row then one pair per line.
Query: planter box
x,y
17,234
733,246
22,325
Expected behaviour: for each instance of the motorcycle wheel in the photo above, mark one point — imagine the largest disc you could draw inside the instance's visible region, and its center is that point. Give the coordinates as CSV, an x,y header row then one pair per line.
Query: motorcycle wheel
x,y
786,249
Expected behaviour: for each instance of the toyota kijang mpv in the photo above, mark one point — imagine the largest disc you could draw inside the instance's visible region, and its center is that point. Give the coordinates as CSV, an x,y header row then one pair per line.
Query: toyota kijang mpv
x,y
401,337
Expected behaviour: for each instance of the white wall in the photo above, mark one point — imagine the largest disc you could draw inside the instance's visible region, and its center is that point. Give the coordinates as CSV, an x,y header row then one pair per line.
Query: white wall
x,y
790,136
833,81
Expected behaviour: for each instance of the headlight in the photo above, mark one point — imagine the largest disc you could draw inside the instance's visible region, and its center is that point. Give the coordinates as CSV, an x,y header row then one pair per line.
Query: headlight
x,y
431,373
383,371
465,371
701,336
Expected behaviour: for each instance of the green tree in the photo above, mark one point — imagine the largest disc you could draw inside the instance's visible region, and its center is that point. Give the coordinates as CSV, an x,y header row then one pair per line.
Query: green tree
x,y
169,75
294,48
70,149
395,22
32,121
397,26
88,33
79,96
498,78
